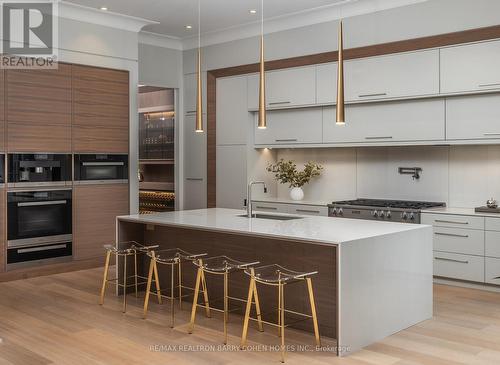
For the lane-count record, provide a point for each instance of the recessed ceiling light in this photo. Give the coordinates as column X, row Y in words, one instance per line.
column 252, row 11
column 189, row 27
column 104, row 8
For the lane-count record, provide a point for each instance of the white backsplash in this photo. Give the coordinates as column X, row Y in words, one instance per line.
column 461, row 176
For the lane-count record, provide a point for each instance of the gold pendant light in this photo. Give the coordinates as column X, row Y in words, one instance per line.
column 340, row 120
column 262, row 76
column 199, row 102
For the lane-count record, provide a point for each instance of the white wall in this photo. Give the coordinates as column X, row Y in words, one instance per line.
column 160, row 66
column 461, row 176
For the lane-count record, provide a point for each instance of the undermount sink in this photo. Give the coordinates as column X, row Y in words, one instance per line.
column 271, row 216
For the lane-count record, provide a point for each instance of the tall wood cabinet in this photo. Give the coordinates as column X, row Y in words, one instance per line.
column 39, row 110
column 95, row 208
column 100, row 110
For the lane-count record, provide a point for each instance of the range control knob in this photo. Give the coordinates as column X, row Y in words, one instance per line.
column 381, row 214
column 375, row 213
column 388, row 214
column 404, row 216
column 412, row 216
column 334, row 211
column 340, row 211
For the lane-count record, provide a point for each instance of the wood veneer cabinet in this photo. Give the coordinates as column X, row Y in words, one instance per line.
column 100, row 110
column 95, row 208
column 38, row 110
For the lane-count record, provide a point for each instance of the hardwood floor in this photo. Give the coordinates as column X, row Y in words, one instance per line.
column 56, row 320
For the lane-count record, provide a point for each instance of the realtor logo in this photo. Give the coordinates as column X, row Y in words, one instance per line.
column 29, row 33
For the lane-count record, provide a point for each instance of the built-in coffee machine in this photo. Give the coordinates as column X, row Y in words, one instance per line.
column 39, row 169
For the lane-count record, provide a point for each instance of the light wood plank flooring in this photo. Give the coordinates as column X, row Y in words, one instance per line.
column 56, row 320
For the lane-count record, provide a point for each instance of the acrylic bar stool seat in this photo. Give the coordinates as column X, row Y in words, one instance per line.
column 220, row 265
column 173, row 257
column 125, row 250
column 276, row 275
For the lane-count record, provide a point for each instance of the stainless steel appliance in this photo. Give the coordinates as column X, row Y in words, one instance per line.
column 101, row 168
column 39, row 225
column 39, row 169
column 380, row 209
column 2, row 169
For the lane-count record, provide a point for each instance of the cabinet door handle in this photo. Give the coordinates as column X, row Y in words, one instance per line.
column 270, row 208
column 451, row 222
column 307, row 211
column 492, row 134
column 379, row 137
column 371, row 95
column 286, row 140
column 190, row 111
column 279, row 103
column 492, row 84
column 451, row 234
column 194, row 178
column 451, row 260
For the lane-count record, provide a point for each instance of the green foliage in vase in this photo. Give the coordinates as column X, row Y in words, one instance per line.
column 286, row 172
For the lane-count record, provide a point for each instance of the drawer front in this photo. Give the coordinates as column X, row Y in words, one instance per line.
column 492, row 271
column 464, row 241
column 456, row 266
column 492, row 244
column 453, row 221
column 492, row 224
column 302, row 209
column 269, row 207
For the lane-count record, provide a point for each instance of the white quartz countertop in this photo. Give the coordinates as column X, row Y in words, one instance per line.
column 326, row 230
column 460, row 211
column 290, row 201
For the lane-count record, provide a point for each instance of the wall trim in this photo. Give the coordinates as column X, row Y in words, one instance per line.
column 415, row 44
column 160, row 40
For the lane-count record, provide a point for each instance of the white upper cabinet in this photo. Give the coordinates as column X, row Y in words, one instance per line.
column 190, row 88
column 195, row 150
column 392, row 76
column 231, row 176
column 232, row 113
column 326, row 83
column 398, row 121
column 472, row 67
column 473, row 117
column 284, row 88
column 290, row 127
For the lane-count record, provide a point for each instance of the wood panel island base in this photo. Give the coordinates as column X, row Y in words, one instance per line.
column 374, row 278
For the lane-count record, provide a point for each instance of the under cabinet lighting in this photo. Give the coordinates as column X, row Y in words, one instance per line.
column 104, row 8
column 189, row 27
column 253, row 11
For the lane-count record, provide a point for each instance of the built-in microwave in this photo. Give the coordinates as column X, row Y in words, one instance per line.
column 101, row 168
column 39, row 169
column 39, row 225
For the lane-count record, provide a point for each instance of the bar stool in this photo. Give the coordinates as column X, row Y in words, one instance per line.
column 220, row 265
column 276, row 275
column 173, row 257
column 125, row 250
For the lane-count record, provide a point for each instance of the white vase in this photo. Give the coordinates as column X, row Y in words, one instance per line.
column 296, row 193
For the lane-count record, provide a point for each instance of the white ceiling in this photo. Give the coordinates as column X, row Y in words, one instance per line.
column 216, row 15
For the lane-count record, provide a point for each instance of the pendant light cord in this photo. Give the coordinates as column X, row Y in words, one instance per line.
column 262, row 17
column 199, row 24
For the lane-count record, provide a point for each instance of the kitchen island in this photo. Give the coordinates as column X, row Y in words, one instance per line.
column 374, row 278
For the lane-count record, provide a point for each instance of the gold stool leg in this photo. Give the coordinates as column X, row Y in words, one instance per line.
column 105, row 277
column 195, row 300
column 125, row 272
column 205, row 293
column 247, row 313
column 148, row 288
column 257, row 303
column 157, row 281
column 172, row 299
column 135, row 273
column 282, row 320
column 313, row 311
column 226, row 307
column 179, row 272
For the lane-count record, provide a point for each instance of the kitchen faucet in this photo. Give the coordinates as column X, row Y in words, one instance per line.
column 249, row 195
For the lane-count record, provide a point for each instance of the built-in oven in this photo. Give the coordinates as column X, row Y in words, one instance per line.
column 39, row 169
column 39, row 225
column 92, row 168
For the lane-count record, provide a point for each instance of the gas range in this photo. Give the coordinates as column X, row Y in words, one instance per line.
column 381, row 209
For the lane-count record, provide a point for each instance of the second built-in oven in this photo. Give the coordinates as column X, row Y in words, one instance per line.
column 101, row 168
column 39, row 225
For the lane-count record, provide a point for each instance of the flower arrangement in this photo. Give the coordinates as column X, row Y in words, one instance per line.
column 286, row 172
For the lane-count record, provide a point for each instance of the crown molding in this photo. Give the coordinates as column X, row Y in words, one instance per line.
column 105, row 18
column 160, row 40
column 322, row 14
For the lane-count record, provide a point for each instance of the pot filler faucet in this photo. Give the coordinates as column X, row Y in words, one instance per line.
column 249, row 195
